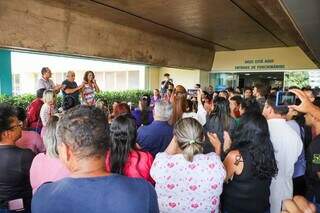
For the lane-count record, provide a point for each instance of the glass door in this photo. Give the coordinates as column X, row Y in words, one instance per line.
column 221, row 81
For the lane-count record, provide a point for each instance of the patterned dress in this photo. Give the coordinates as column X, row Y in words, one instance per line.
column 184, row 186
column 89, row 94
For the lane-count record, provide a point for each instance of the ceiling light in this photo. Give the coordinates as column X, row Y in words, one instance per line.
column 247, row 74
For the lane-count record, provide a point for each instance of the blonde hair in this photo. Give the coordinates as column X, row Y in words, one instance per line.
column 189, row 137
column 50, row 139
column 48, row 96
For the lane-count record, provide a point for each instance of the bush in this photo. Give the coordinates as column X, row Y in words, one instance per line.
column 127, row 96
column 18, row 101
column 107, row 97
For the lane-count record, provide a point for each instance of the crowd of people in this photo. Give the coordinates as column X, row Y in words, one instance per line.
column 180, row 150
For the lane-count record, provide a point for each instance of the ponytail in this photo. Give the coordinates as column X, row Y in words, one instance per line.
column 191, row 149
column 189, row 136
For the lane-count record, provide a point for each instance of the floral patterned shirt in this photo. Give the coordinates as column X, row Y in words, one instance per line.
column 184, row 186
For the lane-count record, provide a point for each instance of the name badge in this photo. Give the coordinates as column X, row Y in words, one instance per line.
column 16, row 205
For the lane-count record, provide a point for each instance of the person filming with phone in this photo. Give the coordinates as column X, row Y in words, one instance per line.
column 166, row 84
column 90, row 87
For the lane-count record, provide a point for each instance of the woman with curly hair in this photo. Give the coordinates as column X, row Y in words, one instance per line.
column 250, row 165
column 89, row 89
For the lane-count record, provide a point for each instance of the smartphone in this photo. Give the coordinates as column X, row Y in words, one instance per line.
column 192, row 92
column 285, row 98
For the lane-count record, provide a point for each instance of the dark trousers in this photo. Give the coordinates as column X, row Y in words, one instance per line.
column 299, row 186
column 9, row 211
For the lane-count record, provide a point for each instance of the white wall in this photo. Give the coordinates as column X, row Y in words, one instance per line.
column 29, row 65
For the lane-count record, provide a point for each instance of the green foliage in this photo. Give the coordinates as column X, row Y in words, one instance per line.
column 19, row 101
column 127, row 96
column 107, row 97
column 300, row 79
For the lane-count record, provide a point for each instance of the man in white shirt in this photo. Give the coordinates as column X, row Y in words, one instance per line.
column 287, row 145
column 45, row 82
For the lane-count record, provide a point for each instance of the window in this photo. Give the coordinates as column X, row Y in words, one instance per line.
column 121, row 80
column 133, row 79
column 110, row 80
column 16, row 83
column 26, row 71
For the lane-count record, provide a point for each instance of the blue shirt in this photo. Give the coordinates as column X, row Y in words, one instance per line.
column 138, row 116
column 109, row 194
column 155, row 137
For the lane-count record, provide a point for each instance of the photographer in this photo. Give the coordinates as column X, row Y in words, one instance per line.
column 166, row 84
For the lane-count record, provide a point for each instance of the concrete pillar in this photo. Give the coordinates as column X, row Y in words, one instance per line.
column 152, row 78
column 59, row 26
column 5, row 72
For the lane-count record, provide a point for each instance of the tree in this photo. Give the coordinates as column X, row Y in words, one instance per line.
column 299, row 79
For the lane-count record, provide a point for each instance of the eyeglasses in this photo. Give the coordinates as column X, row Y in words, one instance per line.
column 20, row 124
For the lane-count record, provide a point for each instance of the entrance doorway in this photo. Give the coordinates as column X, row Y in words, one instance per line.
column 221, row 81
column 270, row 79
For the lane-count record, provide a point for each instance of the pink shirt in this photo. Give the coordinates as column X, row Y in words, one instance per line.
column 136, row 169
column 31, row 140
column 46, row 169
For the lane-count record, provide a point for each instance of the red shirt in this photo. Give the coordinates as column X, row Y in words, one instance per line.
column 135, row 168
column 33, row 114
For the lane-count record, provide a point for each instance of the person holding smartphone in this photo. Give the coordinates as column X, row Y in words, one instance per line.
column 166, row 84
column 89, row 89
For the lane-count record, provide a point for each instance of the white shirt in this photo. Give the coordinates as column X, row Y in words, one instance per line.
column 45, row 113
column 295, row 126
column 45, row 84
column 287, row 145
column 184, row 186
column 200, row 116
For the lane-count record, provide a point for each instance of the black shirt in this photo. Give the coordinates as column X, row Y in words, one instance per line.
column 15, row 165
column 313, row 167
column 246, row 193
column 165, row 85
column 215, row 125
column 262, row 102
column 70, row 85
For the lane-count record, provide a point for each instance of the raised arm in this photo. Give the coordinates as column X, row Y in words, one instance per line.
column 202, row 113
column 96, row 87
column 233, row 164
column 70, row 91
column 57, row 88
column 306, row 105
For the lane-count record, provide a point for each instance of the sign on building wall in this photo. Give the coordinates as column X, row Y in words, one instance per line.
column 259, row 64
